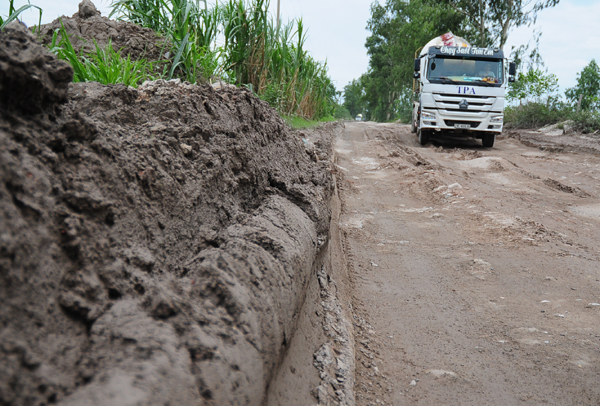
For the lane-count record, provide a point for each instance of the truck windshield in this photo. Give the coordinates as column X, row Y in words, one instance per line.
column 460, row 70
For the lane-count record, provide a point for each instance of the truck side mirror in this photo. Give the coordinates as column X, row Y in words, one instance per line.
column 417, row 65
column 512, row 69
column 416, row 75
column 511, row 79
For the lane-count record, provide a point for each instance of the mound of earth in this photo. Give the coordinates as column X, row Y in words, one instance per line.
column 88, row 25
column 32, row 79
column 156, row 243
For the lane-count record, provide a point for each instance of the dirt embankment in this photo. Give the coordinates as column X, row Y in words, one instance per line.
column 156, row 243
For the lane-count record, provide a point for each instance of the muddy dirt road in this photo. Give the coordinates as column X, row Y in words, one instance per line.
column 475, row 271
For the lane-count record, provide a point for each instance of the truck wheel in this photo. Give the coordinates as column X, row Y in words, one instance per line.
column 413, row 126
column 488, row 140
column 423, row 136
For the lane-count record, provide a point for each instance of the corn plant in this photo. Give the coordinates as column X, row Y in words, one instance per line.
column 190, row 28
column 269, row 60
column 13, row 13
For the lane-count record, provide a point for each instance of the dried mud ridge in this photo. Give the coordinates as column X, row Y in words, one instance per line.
column 156, row 243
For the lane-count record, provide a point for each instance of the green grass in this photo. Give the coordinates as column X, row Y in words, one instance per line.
column 255, row 53
column 300, row 123
column 105, row 65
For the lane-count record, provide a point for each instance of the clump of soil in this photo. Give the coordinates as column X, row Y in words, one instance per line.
column 31, row 78
column 88, row 25
column 156, row 243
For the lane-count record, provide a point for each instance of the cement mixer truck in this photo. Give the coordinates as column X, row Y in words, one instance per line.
column 459, row 90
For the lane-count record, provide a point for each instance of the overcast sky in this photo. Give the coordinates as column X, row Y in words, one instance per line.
column 337, row 33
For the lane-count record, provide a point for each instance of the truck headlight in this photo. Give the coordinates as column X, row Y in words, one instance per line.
column 497, row 119
column 427, row 116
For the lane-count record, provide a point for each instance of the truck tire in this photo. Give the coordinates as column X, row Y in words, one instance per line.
column 415, row 117
column 423, row 136
column 488, row 140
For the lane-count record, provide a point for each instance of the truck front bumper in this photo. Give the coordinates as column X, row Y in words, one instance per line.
column 460, row 122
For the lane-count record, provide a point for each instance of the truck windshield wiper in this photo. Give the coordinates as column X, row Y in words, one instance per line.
column 485, row 82
column 445, row 79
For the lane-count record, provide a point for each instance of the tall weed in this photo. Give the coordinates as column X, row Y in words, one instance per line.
column 254, row 52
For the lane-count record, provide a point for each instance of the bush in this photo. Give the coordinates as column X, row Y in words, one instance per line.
column 586, row 122
column 534, row 115
column 533, row 85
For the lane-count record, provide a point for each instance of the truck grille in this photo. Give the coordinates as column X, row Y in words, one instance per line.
column 451, row 102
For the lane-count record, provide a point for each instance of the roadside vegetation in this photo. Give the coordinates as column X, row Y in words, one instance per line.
column 236, row 41
column 536, row 101
column 399, row 28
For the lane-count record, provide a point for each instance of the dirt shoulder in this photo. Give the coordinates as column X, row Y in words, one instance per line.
column 474, row 270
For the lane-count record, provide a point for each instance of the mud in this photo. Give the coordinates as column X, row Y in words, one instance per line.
column 571, row 142
column 319, row 366
column 88, row 26
column 31, row 78
column 474, row 270
column 157, row 243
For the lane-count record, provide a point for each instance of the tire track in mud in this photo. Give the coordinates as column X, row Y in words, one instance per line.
column 471, row 271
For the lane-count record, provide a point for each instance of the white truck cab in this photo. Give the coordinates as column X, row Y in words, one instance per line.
column 460, row 91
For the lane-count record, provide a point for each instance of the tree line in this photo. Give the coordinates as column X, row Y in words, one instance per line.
column 399, row 28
